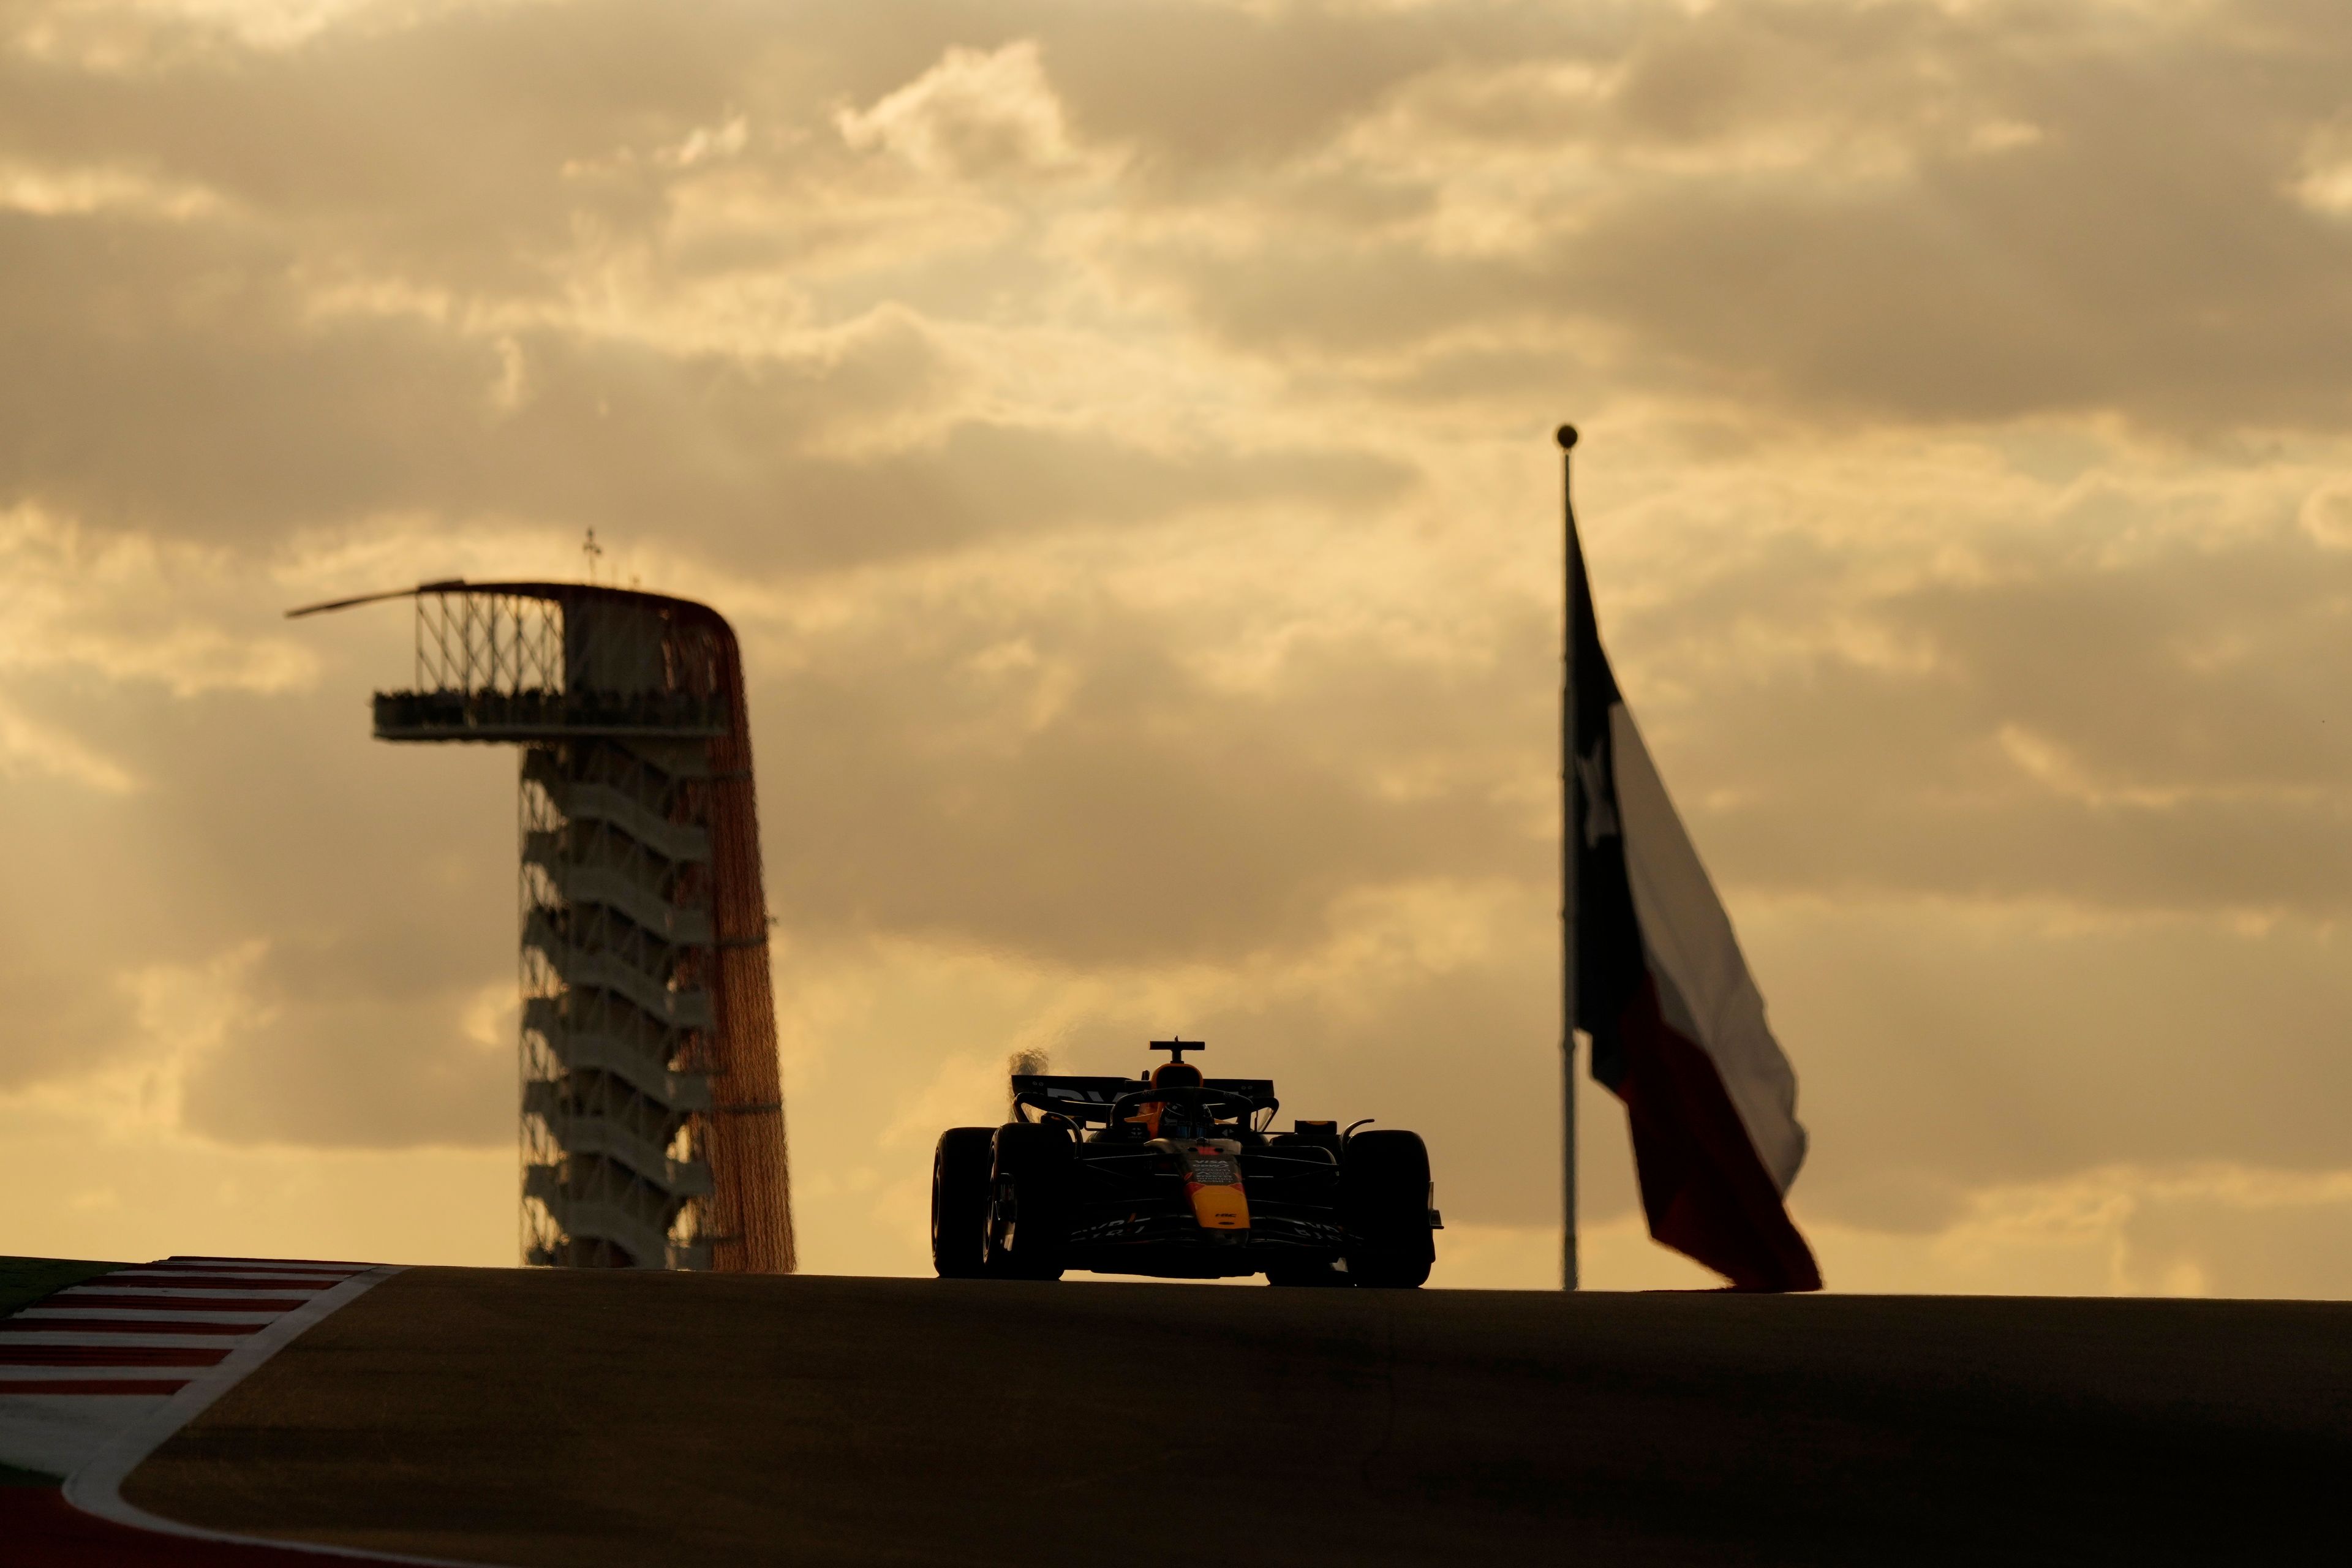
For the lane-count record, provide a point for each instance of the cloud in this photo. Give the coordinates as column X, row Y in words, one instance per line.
column 179, row 383
column 51, row 193
column 362, row 1068
column 975, row 113
column 1943, row 1049
column 61, row 1024
column 1050, row 780
column 127, row 609
column 2139, row 729
column 27, row 745
column 1890, row 214
column 2176, row 1230
column 2327, row 513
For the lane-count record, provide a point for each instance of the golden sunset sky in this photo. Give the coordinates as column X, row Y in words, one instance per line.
column 1120, row 432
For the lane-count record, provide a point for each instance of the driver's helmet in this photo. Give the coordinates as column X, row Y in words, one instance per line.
column 1179, row 1120
column 1174, row 1118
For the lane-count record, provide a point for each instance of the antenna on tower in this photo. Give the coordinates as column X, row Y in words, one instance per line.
column 593, row 552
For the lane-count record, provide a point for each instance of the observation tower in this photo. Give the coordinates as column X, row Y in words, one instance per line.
column 653, row 1129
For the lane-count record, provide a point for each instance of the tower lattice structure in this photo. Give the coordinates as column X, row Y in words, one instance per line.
column 653, row 1130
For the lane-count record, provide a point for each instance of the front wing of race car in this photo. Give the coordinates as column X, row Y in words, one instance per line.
column 1132, row 1211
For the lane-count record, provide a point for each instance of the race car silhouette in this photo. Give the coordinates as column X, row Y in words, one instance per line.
column 1175, row 1175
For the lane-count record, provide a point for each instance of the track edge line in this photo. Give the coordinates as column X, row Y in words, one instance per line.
column 95, row 1486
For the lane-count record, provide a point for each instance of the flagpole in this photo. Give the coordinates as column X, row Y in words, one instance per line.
column 1569, row 838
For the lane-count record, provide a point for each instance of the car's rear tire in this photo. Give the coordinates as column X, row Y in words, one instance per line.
column 1384, row 1192
column 960, row 1202
column 1028, row 1202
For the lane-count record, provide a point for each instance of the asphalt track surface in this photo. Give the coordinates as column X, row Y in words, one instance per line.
column 535, row 1418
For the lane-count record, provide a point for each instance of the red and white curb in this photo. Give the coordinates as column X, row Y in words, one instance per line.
column 96, row 1377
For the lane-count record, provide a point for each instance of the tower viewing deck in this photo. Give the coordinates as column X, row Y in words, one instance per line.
column 652, row 1109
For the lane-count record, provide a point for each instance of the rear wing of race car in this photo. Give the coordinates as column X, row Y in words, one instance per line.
column 1089, row 1100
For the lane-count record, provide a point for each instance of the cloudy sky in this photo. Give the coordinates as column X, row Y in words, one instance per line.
column 1119, row 430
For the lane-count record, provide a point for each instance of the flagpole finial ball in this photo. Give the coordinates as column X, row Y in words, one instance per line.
column 1567, row 436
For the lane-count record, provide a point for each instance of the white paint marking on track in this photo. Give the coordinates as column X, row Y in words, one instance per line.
column 49, row 1370
column 75, row 1332
column 59, row 1415
column 200, row 1283
column 85, row 1363
column 140, row 1315
column 177, row 1290
column 96, row 1487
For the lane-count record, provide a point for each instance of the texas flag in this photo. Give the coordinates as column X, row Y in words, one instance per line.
column 1677, row 1024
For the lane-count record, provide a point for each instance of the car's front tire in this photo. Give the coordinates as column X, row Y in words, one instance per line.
column 1384, row 1192
column 1028, row 1202
column 960, row 1202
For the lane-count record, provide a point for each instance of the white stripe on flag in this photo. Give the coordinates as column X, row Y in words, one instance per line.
column 1697, row 957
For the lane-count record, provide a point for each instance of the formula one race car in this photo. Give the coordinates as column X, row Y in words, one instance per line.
column 1176, row 1176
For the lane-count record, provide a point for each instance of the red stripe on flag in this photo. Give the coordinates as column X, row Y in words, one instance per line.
column 1706, row 1193
column 95, row 1385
